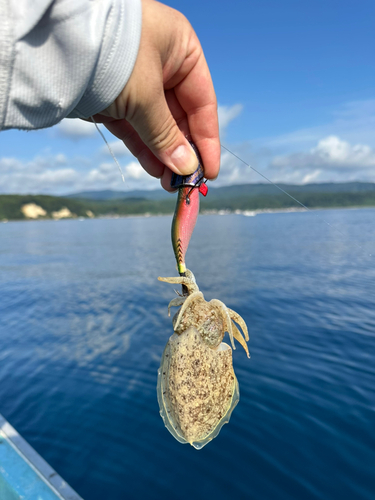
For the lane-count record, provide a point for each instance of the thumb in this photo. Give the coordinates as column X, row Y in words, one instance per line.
column 155, row 125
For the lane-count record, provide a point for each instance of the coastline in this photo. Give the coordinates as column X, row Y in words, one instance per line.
column 244, row 213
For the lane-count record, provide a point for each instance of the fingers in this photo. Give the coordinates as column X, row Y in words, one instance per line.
column 124, row 131
column 209, row 147
column 158, row 130
column 196, row 96
column 143, row 101
column 177, row 111
column 165, row 180
column 169, row 95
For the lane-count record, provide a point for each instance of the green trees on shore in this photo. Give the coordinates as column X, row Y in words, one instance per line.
column 12, row 207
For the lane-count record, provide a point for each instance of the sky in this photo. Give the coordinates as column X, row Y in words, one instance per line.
column 295, row 82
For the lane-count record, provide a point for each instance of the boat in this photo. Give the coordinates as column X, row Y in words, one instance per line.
column 24, row 474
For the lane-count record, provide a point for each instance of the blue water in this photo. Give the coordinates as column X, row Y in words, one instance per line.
column 83, row 323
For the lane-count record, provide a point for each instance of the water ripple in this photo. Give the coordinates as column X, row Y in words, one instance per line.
column 83, row 324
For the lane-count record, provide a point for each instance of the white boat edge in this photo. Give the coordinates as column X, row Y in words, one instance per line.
column 47, row 474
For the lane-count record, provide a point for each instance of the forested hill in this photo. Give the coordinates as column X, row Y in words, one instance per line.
column 230, row 191
column 231, row 198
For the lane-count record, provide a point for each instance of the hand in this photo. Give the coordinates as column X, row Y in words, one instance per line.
column 169, row 96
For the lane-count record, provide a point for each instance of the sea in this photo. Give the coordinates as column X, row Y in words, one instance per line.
column 83, row 324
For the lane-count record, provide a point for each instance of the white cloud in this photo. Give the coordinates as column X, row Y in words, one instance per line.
column 330, row 153
column 74, row 128
column 10, row 165
column 23, row 182
column 38, row 164
column 355, row 110
column 332, row 159
column 353, row 122
column 231, row 170
column 118, row 148
column 134, row 171
column 60, row 158
column 234, row 171
column 228, row 114
column 333, row 151
column 45, row 175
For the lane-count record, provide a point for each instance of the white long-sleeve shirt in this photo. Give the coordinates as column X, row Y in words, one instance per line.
column 63, row 58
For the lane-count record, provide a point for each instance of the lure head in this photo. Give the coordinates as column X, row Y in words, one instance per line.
column 187, row 209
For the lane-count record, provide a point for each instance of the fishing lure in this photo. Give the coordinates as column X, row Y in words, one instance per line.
column 197, row 388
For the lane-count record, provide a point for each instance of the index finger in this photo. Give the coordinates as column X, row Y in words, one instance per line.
column 197, row 97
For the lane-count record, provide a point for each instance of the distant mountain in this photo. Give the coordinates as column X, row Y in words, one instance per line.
column 225, row 192
column 106, row 195
column 269, row 189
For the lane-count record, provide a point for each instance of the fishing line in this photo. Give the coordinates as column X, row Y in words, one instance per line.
column 109, row 148
column 292, row 197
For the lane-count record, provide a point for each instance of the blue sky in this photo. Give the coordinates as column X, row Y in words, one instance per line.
column 295, row 85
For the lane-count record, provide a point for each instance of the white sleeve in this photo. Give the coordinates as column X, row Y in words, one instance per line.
column 64, row 57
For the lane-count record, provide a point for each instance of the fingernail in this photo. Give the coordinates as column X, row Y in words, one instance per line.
column 184, row 159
